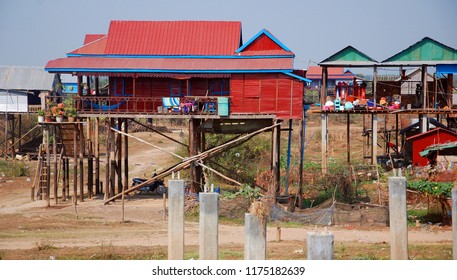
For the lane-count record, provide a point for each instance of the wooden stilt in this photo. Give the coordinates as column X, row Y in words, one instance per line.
column 65, row 182
column 48, row 167
column 275, row 168
column 302, row 159
column 81, row 162
column 75, row 164
column 348, row 137
column 54, row 163
column 108, row 158
column 195, row 173
column 118, row 152
column 98, row 189
column 126, row 154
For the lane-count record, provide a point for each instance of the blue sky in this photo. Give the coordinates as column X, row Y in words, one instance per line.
column 35, row 31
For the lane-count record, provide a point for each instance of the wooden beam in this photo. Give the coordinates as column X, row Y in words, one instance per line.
column 188, row 161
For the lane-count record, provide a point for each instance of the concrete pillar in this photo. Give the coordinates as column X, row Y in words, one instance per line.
column 320, row 245
column 397, row 218
column 454, row 222
column 255, row 246
column 209, row 221
column 175, row 219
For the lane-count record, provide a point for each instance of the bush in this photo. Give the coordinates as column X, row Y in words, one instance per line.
column 13, row 168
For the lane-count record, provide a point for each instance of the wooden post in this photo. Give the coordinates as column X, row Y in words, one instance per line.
column 324, row 122
column 13, row 132
column 193, row 150
column 119, row 156
column 108, row 157
column 289, row 146
column 396, row 133
column 54, row 163
column 374, row 119
column 65, row 181
column 90, row 175
column 48, row 167
column 348, row 136
column 81, row 162
column 302, row 159
column 6, row 134
column 98, row 189
column 75, row 163
column 275, row 168
column 112, row 183
column 126, row 154
column 20, row 132
column 90, row 162
column 96, row 86
column 424, row 120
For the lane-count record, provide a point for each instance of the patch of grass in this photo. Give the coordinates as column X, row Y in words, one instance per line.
column 417, row 214
column 13, row 168
column 231, row 255
column 230, row 221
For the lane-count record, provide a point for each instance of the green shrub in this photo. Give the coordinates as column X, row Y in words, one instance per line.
column 13, row 168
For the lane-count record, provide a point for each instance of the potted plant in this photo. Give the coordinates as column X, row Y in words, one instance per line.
column 58, row 112
column 41, row 114
column 70, row 109
column 71, row 114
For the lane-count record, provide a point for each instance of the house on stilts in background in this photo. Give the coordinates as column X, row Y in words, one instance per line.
column 199, row 71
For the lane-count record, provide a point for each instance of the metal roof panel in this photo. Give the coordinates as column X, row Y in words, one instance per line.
column 173, row 37
column 25, row 78
column 206, row 65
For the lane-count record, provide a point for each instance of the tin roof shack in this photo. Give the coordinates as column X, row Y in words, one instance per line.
column 21, row 86
column 420, row 142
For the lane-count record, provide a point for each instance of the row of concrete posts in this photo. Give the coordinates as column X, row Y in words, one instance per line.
column 320, row 245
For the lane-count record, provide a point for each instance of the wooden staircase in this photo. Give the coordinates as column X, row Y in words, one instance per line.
column 42, row 182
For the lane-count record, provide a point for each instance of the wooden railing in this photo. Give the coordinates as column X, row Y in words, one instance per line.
column 145, row 105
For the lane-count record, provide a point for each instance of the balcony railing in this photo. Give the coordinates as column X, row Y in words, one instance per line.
column 146, row 105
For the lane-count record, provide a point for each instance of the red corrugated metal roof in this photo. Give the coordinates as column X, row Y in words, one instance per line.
column 167, row 64
column 173, row 37
column 95, row 47
column 92, row 37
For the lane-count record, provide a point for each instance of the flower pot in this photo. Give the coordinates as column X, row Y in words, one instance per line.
column 48, row 119
column 40, row 119
column 71, row 119
column 59, row 118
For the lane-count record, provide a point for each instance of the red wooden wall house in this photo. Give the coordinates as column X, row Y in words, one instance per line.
column 188, row 69
column 420, row 142
column 148, row 60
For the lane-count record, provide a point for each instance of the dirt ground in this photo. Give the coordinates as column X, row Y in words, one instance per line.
column 92, row 230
